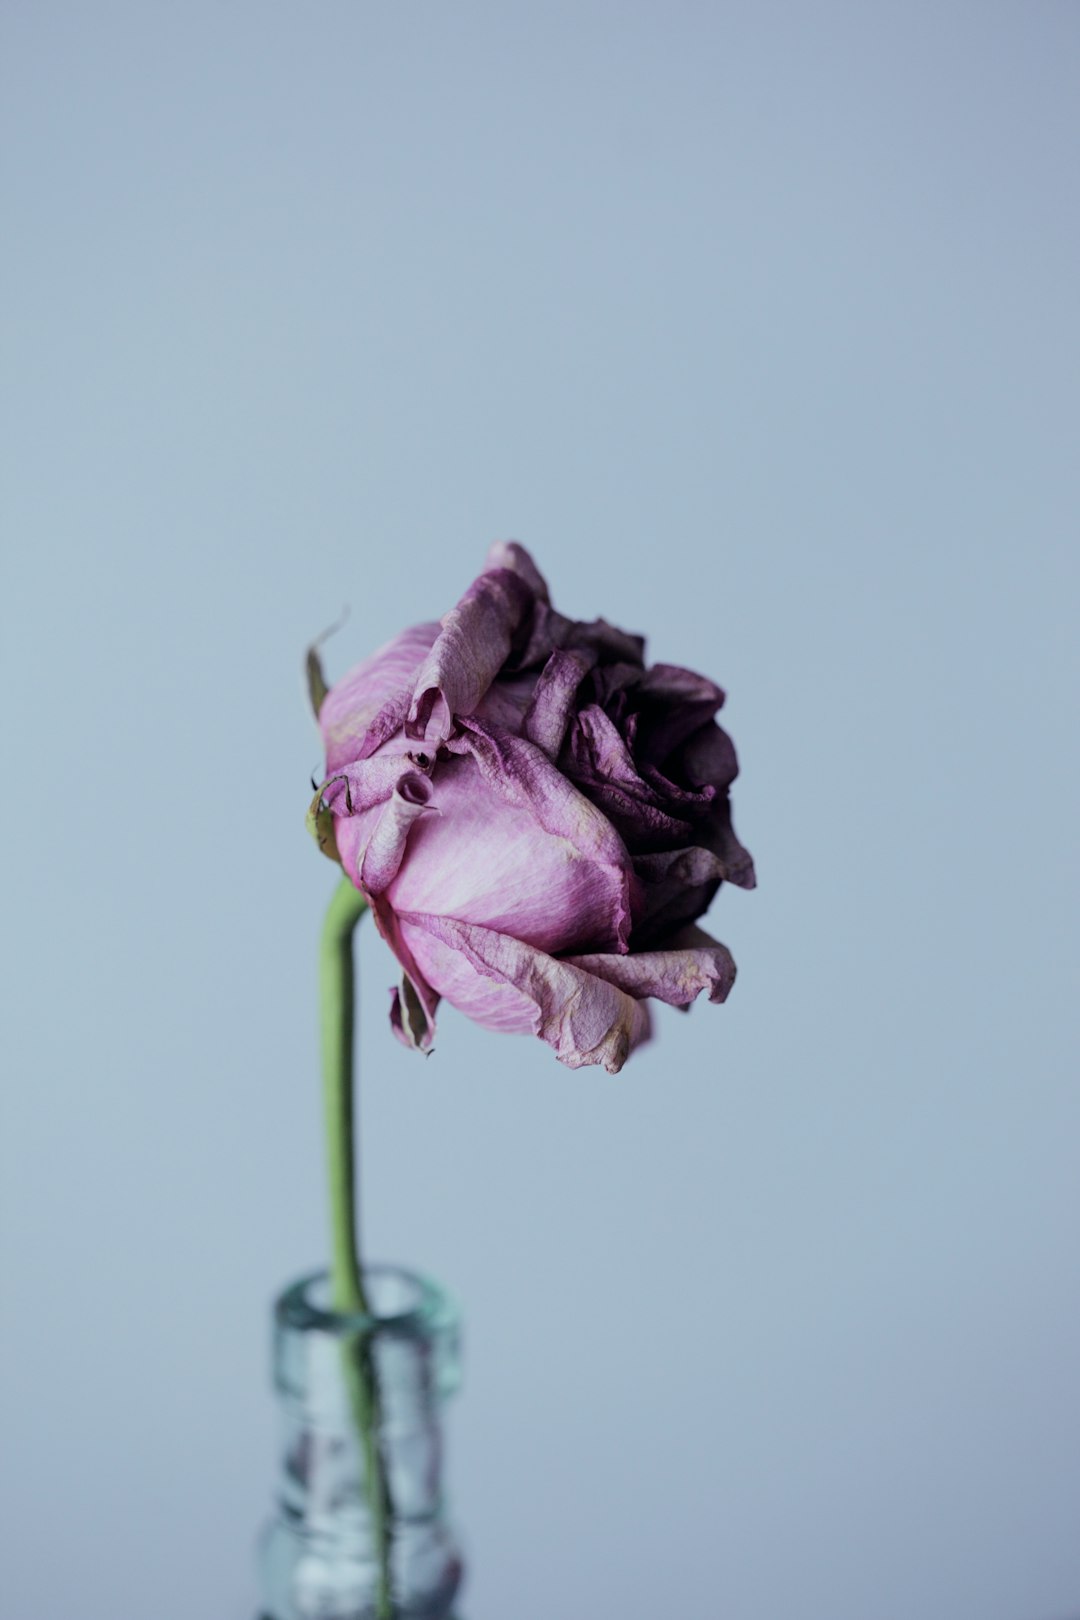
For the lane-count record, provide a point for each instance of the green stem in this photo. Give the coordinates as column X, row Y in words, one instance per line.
column 348, row 1295
column 337, row 1010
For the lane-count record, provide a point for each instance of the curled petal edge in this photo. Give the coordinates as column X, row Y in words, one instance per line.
column 471, row 648
column 585, row 1018
column 413, row 1002
column 688, row 964
column 384, row 851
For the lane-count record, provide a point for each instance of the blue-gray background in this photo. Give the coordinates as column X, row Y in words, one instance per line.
column 759, row 326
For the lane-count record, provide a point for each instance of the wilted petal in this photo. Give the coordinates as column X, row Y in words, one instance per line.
column 719, row 835
column 516, row 853
column 689, row 801
column 471, row 648
column 387, row 722
column 413, row 1004
column 506, row 702
column 553, row 699
column 599, row 749
column 352, row 704
column 672, row 703
column 409, row 1018
column 522, row 776
column 364, row 782
column 612, row 682
column 585, row 1018
column 691, row 963
column 708, row 755
column 606, row 640
column 676, row 685
column 678, row 886
column 600, row 762
column 549, row 631
column 642, row 825
column 382, row 855
column 508, row 554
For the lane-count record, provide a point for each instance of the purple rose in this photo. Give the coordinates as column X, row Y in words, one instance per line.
column 535, row 817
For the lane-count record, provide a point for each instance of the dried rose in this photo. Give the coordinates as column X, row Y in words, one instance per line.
column 535, row 817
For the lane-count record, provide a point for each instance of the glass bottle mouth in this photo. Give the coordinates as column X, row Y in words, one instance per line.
column 404, row 1304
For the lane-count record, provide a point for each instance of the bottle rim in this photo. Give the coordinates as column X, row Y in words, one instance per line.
column 428, row 1308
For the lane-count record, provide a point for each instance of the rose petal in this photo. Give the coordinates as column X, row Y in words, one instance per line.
column 552, row 706
column 352, row 704
column 413, row 1005
column 719, row 835
column 522, row 776
column 552, row 872
column 672, row 704
column 600, row 752
column 366, row 782
column 611, row 682
column 471, row 648
column 678, row 686
column 384, row 851
column 691, row 963
column 641, row 825
column 599, row 762
column 678, row 886
column 508, row 554
column 708, row 755
column 506, row 702
column 550, row 631
column 585, row 1018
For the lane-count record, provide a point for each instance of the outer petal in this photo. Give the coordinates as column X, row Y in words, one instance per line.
column 708, row 755
column 719, row 835
column 384, row 851
column 487, row 858
column 679, row 885
column 472, row 646
column 585, row 1018
column 351, row 705
column 691, row 963
column 519, row 774
column 364, row 783
column 508, row 554
column 412, row 1008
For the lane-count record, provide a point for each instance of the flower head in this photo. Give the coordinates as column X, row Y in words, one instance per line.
column 536, row 817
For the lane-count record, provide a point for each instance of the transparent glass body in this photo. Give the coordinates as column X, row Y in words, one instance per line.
column 317, row 1556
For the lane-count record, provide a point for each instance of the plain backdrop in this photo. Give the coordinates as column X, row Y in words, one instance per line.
column 758, row 325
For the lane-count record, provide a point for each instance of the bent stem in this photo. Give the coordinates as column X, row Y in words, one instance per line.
column 337, row 1005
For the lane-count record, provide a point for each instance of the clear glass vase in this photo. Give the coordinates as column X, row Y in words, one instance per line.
column 317, row 1556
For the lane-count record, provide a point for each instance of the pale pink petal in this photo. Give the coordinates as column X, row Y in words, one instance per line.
column 382, row 855
column 352, row 704
column 691, row 962
column 488, row 857
column 387, row 722
column 365, row 782
column 521, row 775
column 585, row 1019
